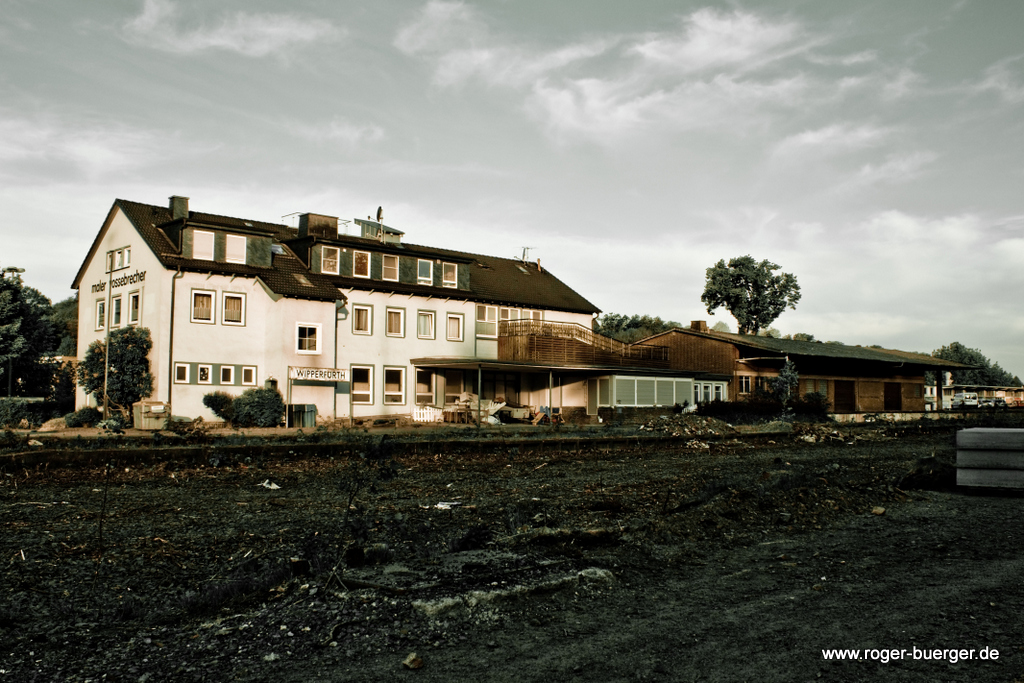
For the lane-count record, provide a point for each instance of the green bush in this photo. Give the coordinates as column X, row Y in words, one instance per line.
column 811, row 407
column 222, row 404
column 259, row 408
column 13, row 411
column 86, row 417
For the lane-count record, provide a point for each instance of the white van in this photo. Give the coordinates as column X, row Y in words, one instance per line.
column 966, row 399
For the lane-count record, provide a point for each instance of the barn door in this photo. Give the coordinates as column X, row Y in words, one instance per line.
column 846, row 396
column 893, row 396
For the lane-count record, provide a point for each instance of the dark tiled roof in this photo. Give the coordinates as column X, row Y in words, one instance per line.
column 791, row 347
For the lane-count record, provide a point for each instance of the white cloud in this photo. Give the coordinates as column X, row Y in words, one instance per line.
column 712, row 40
column 897, row 168
column 838, row 137
column 440, row 25
column 338, row 130
column 249, row 34
column 1000, row 78
column 865, row 57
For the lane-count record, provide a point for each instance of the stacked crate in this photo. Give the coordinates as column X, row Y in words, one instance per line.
column 990, row 457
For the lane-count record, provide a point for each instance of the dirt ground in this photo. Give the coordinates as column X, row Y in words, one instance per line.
column 734, row 557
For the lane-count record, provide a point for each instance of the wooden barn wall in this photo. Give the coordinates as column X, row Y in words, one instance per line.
column 698, row 354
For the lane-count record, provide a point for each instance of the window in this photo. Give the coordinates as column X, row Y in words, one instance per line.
column 361, row 264
column 249, row 376
column 362, row 385
column 506, row 314
column 744, row 384
column 118, row 259
column 329, row 260
column 719, row 396
column 233, row 309
column 110, row 261
column 391, row 268
column 486, row 321
column 823, row 386
column 362, row 320
column 424, row 387
column 394, row 385
column 425, row 324
column 234, row 249
column 181, row 373
column 127, row 256
column 101, row 314
column 396, row 322
column 115, row 312
column 449, row 275
column 202, row 245
column 452, row 386
column 204, row 374
column 425, row 272
column 202, row 306
column 134, row 308
column 760, row 383
column 227, row 374
column 454, row 327
column 307, row 338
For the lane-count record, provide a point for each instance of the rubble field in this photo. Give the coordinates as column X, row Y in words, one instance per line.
column 714, row 556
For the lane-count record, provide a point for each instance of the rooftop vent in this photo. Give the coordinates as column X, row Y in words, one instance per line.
column 698, row 326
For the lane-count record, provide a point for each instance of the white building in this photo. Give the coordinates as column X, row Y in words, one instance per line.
column 358, row 325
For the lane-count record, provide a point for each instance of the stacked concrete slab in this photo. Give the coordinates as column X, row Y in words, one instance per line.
column 990, row 457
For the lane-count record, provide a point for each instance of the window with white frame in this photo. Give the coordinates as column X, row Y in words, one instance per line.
column 453, row 386
column 234, row 249
column 362, row 319
column 454, row 327
column 101, row 314
column 362, row 384
column 744, row 381
column 134, row 308
column 424, row 387
column 115, row 312
column 232, row 310
column 202, row 306
column 394, row 386
column 204, row 374
column 396, row 322
column 202, row 245
column 227, row 374
column 507, row 314
column 361, row 264
column 486, row 321
column 390, row 268
column 181, row 373
column 307, row 338
column 425, row 324
column 449, row 274
column 425, row 272
column 329, row 258
column 248, row 376
column 119, row 258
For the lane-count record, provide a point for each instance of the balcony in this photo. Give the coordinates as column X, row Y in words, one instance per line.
column 551, row 343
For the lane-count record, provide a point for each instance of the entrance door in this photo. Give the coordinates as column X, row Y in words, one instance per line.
column 846, row 396
column 591, row 397
column 893, row 400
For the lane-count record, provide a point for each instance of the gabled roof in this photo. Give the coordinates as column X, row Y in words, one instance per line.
column 814, row 349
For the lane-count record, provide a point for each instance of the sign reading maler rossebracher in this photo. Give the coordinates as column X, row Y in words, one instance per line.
column 318, row 374
column 131, row 279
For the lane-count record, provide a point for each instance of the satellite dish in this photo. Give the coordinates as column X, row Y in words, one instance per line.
column 380, row 213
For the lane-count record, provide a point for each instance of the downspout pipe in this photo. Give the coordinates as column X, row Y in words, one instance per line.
column 170, row 348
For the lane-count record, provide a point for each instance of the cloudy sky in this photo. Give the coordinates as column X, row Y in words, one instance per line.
column 873, row 149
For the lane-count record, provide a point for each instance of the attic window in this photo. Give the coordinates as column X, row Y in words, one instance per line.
column 483, row 265
column 303, row 280
column 522, row 269
column 276, row 249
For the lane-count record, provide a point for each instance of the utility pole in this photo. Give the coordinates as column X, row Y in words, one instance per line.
column 16, row 272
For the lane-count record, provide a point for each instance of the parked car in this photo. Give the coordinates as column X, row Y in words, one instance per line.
column 965, row 399
column 999, row 403
column 986, row 403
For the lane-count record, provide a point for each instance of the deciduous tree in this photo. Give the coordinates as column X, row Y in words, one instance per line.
column 128, row 378
column 750, row 291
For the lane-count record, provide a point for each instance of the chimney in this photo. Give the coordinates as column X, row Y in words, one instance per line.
column 318, row 226
column 179, row 207
column 538, row 267
column 698, row 326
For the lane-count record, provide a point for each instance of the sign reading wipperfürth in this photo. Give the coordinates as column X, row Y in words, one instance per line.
column 318, row 374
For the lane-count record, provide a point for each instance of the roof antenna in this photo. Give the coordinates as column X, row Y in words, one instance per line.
column 526, row 254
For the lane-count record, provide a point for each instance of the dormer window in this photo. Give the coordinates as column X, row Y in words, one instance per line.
column 450, row 275
column 391, row 268
column 329, row 260
column 425, row 272
column 361, row 264
column 202, row 245
column 234, row 251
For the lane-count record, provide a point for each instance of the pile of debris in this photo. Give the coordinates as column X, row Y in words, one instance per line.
column 680, row 425
column 823, row 433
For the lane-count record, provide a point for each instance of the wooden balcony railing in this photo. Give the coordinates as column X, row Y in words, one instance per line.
column 571, row 344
